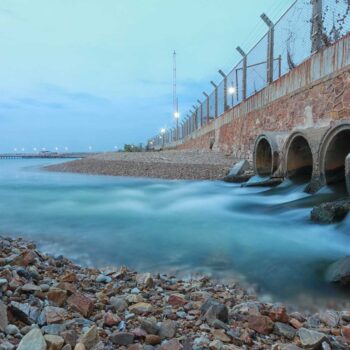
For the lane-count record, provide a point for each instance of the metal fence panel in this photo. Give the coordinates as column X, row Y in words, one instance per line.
column 235, row 81
column 221, row 97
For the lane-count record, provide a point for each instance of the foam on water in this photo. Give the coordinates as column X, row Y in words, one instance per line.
column 261, row 235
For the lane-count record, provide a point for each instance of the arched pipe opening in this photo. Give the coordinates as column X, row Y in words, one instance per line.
column 335, row 149
column 263, row 158
column 299, row 160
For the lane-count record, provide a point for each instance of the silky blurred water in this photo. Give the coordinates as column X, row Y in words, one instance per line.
column 260, row 236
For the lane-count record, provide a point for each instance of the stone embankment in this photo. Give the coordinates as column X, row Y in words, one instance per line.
column 51, row 303
column 191, row 165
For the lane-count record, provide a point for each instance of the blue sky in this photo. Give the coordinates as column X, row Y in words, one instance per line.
column 80, row 73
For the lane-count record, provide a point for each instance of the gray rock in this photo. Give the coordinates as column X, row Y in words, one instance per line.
column 103, row 279
column 118, row 303
column 122, row 338
column 330, row 212
column 24, row 312
column 339, row 272
column 311, row 339
column 44, row 287
column 150, row 325
column 5, row 345
column 34, row 340
column 213, row 310
column 3, row 282
column 3, row 316
column 290, row 346
column 330, row 318
column 167, row 329
column 247, row 308
column 54, row 329
column 90, row 338
column 284, row 330
column 11, row 329
column 239, row 168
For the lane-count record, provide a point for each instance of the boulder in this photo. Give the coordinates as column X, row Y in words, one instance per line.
column 327, row 213
column 339, row 272
column 33, row 340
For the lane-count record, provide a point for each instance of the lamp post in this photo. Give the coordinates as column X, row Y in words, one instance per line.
column 162, row 133
column 231, row 91
column 177, row 116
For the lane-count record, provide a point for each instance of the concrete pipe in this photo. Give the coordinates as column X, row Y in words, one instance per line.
column 334, row 149
column 267, row 152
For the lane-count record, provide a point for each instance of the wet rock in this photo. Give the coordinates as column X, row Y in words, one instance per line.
column 123, row 338
column 167, row 329
column 284, row 330
column 260, row 324
column 54, row 342
column 3, row 316
column 81, row 303
column 311, row 339
column 141, row 308
column 34, row 340
column 327, row 213
column 237, row 170
column 90, row 338
column 339, row 272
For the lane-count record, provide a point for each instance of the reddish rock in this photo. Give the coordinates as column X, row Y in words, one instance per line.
column 279, row 314
column 26, row 258
column 54, row 314
column 69, row 277
column 177, row 300
column 152, row 339
column 68, row 287
column 110, row 319
column 81, row 303
column 345, row 331
column 57, row 296
column 295, row 323
column 260, row 324
column 139, row 333
column 135, row 347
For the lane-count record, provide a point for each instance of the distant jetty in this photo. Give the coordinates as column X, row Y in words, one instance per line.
column 71, row 155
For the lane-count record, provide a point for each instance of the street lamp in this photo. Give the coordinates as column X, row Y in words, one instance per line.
column 231, row 91
column 162, row 132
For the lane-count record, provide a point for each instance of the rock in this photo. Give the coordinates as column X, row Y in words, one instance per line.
column 54, row 329
column 145, row 279
column 141, row 308
column 152, row 339
column 295, row 323
column 172, row 344
column 67, row 347
column 278, row 313
column 176, row 300
column 247, row 308
column 3, row 316
column 81, row 303
column 90, row 338
column 52, row 314
column 110, row 320
column 216, row 345
column 118, row 303
column 24, row 312
column 345, row 332
column 5, row 345
column 327, row 213
column 284, row 330
column 150, row 325
column 44, row 287
column 339, row 272
column 30, row 288
column 260, row 324
column 290, row 346
column 137, row 347
column 237, row 170
column 330, row 318
column 213, row 310
column 123, row 338
column 57, row 296
column 69, row 277
column 70, row 337
column 219, row 334
column 103, row 279
column 33, row 340
column 54, row 342
column 311, row 339
column 80, row 346
column 167, row 329
column 11, row 329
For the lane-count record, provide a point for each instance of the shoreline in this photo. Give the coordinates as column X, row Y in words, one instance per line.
column 79, row 308
column 171, row 165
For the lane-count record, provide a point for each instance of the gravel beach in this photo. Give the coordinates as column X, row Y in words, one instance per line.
column 191, row 165
column 50, row 303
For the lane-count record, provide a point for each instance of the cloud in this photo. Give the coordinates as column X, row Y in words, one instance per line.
column 39, row 103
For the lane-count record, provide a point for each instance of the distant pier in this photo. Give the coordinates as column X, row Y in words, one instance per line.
column 45, row 155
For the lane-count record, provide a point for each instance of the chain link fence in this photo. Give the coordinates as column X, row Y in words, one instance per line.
column 306, row 27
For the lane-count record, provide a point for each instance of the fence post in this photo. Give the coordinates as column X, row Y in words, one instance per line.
column 207, row 102
column 201, row 112
column 244, row 78
column 226, row 107
column 216, row 98
column 270, row 47
column 316, row 28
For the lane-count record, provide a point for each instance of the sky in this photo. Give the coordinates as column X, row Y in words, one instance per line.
column 96, row 74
